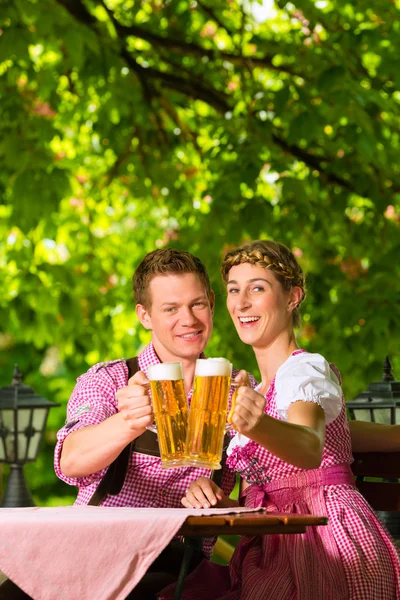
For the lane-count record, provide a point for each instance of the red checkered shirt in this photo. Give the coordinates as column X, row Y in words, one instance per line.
column 146, row 484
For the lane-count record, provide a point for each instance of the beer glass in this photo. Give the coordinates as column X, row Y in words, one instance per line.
column 207, row 415
column 170, row 411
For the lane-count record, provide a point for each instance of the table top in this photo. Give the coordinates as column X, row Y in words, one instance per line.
column 258, row 523
column 46, row 551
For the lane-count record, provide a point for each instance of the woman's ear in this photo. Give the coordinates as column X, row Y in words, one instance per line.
column 296, row 296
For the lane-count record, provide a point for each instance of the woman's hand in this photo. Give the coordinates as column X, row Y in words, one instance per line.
column 204, row 493
column 249, row 410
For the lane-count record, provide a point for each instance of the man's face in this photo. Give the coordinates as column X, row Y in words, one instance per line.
column 179, row 316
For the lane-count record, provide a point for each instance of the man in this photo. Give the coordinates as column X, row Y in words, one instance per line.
column 107, row 411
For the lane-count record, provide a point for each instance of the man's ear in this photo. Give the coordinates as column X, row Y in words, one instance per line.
column 144, row 316
column 212, row 302
column 296, row 295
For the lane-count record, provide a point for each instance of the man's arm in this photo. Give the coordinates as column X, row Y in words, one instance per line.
column 374, row 437
column 92, row 448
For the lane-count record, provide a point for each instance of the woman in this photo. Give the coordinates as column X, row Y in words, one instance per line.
column 293, row 451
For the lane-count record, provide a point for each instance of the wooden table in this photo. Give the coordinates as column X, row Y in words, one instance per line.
column 258, row 523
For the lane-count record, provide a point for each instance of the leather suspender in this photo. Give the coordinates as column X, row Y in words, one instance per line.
column 113, row 480
column 146, row 443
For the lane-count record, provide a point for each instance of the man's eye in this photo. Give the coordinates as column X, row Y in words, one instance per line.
column 199, row 304
column 170, row 309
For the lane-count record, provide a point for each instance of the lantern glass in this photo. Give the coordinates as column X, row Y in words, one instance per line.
column 362, row 414
column 7, row 419
column 38, row 424
column 383, row 415
column 7, row 445
column 24, row 417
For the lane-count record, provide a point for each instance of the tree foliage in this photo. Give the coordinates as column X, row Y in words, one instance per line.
column 129, row 125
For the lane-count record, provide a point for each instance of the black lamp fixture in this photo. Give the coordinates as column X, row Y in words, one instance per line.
column 23, row 416
column 380, row 403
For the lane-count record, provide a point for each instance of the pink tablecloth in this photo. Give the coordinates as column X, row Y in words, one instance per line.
column 85, row 552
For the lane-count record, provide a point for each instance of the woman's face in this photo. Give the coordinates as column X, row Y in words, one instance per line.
column 258, row 304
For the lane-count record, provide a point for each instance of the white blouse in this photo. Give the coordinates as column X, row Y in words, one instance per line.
column 307, row 377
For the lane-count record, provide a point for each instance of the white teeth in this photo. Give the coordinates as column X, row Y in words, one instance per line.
column 190, row 335
column 248, row 319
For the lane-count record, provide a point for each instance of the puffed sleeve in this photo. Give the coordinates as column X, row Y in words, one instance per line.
column 310, row 378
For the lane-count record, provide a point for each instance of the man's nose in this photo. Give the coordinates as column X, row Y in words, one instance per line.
column 188, row 316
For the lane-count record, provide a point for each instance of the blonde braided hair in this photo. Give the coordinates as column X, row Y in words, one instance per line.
column 271, row 256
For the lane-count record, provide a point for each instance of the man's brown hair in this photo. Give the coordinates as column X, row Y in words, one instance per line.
column 166, row 261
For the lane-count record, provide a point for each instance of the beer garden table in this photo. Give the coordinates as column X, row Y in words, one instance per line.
column 84, row 552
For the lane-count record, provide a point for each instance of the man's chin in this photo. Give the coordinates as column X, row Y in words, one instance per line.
column 191, row 347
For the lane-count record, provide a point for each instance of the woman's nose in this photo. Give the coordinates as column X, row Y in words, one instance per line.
column 242, row 301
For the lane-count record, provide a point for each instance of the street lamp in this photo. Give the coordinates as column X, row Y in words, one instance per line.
column 23, row 416
column 380, row 403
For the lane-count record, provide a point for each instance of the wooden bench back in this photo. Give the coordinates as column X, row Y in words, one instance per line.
column 381, row 495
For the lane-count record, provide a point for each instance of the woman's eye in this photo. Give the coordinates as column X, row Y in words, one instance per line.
column 233, row 291
column 258, row 288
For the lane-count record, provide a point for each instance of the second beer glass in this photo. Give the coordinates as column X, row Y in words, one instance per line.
column 207, row 415
column 170, row 411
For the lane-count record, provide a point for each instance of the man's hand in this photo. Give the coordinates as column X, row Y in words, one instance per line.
column 134, row 403
column 203, row 493
column 248, row 411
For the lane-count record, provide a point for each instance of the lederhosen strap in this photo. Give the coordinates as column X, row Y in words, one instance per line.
column 113, row 480
column 146, row 443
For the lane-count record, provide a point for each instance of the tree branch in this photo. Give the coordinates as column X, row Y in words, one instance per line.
column 185, row 86
column 313, row 162
column 186, row 48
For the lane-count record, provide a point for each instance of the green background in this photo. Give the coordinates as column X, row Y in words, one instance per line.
column 126, row 126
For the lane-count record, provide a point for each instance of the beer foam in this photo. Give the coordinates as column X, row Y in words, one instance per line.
column 210, row 367
column 165, row 372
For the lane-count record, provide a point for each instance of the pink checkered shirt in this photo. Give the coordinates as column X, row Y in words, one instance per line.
column 146, row 484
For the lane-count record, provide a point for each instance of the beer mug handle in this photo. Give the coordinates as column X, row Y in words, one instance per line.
column 236, row 385
column 152, row 427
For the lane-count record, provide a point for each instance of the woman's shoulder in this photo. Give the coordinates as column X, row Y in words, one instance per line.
column 307, row 364
column 308, row 377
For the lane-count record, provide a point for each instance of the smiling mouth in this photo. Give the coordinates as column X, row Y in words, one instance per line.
column 248, row 319
column 189, row 336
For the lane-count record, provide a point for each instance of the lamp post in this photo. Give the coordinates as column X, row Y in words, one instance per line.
column 380, row 403
column 23, row 416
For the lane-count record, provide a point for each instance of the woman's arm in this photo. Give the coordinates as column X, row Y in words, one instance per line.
column 374, row 437
column 298, row 441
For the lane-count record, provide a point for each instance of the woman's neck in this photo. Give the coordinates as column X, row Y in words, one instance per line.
column 271, row 357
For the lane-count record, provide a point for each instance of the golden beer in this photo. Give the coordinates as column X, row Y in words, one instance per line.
column 170, row 411
column 207, row 415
